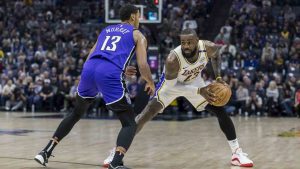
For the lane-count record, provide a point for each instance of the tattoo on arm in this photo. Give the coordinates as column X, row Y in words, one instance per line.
column 213, row 53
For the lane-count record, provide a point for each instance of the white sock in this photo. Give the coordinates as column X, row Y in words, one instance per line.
column 234, row 144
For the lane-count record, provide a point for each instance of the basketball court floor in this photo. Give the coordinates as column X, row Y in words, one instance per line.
column 195, row 144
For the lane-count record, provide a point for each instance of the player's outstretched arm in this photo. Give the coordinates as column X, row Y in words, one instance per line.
column 141, row 57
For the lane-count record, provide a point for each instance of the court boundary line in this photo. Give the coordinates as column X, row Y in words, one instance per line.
column 64, row 162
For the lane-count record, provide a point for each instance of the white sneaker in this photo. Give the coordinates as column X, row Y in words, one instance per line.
column 109, row 159
column 42, row 158
column 240, row 159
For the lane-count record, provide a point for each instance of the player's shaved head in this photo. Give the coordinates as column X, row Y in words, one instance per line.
column 188, row 31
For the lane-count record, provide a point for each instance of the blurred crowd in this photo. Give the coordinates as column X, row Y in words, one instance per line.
column 261, row 57
column 44, row 44
column 43, row 48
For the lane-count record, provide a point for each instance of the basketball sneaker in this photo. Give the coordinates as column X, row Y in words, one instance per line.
column 239, row 158
column 42, row 158
column 117, row 167
column 109, row 159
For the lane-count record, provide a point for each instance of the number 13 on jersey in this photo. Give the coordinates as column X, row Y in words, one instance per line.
column 110, row 43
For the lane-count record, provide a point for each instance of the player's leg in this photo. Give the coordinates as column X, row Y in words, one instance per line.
column 113, row 89
column 225, row 123
column 238, row 157
column 86, row 92
column 125, row 113
column 151, row 110
column 126, row 136
column 163, row 97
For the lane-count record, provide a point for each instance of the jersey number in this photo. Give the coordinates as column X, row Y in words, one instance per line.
column 191, row 77
column 112, row 46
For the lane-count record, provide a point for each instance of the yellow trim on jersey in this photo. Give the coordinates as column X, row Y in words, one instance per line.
column 201, row 104
column 205, row 51
column 158, row 94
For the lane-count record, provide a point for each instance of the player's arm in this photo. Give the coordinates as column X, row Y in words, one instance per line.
column 141, row 57
column 171, row 68
column 215, row 57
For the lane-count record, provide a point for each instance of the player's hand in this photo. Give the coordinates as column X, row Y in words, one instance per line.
column 150, row 88
column 207, row 94
column 130, row 71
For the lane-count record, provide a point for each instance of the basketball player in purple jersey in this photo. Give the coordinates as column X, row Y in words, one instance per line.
column 104, row 72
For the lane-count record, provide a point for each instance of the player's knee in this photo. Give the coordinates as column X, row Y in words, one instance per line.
column 127, row 120
column 147, row 115
column 125, row 114
column 154, row 108
column 130, row 121
column 133, row 125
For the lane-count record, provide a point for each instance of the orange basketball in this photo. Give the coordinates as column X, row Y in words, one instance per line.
column 223, row 93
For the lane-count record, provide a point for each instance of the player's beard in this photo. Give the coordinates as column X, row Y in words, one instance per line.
column 188, row 56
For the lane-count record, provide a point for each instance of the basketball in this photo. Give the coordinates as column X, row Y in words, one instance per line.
column 223, row 93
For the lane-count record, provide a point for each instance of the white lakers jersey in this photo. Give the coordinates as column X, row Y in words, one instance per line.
column 191, row 72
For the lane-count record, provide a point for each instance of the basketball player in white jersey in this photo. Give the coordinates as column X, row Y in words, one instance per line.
column 182, row 77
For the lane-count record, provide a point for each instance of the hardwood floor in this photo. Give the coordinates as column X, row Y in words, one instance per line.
column 196, row 144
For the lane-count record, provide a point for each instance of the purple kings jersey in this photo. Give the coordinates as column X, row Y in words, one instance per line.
column 115, row 44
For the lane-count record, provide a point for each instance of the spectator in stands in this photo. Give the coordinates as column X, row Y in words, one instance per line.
column 254, row 104
column 238, row 63
column 289, row 15
column 31, row 96
column 249, row 6
column 62, row 96
column 230, row 48
column 259, row 89
column 242, row 95
column 7, row 93
column 228, row 27
column 286, row 101
column 190, row 23
column 279, row 63
column 223, row 37
column 272, row 98
column 267, row 57
column 228, row 54
column 47, row 95
column 17, row 101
